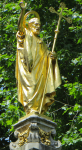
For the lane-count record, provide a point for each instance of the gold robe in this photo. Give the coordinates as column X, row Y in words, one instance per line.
column 32, row 65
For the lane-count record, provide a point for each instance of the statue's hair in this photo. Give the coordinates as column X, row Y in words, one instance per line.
column 33, row 20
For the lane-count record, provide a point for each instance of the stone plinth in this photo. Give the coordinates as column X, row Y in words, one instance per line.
column 35, row 132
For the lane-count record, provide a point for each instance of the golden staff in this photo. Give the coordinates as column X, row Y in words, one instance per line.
column 52, row 10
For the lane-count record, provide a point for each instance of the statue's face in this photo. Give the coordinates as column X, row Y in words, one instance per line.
column 35, row 27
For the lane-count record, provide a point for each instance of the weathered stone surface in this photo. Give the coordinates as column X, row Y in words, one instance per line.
column 41, row 121
column 35, row 132
column 38, row 146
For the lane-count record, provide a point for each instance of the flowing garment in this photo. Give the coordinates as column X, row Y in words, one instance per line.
column 32, row 65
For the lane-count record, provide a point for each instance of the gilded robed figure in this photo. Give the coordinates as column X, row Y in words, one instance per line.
column 32, row 64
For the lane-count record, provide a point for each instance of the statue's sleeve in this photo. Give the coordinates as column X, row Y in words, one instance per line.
column 20, row 50
column 54, row 73
column 27, row 50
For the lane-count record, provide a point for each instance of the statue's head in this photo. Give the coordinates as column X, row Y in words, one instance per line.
column 34, row 26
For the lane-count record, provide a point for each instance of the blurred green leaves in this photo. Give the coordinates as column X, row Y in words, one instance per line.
column 67, row 109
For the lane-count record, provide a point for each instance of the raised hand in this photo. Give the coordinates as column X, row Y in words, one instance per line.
column 22, row 5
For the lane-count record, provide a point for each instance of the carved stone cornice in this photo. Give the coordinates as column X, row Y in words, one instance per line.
column 35, row 129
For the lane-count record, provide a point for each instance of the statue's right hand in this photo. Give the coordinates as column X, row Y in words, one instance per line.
column 22, row 5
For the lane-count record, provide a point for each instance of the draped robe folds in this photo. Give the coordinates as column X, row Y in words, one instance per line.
column 32, row 65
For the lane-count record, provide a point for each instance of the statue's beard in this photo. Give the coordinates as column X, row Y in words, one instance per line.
column 36, row 31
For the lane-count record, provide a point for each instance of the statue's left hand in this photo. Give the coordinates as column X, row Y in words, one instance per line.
column 53, row 55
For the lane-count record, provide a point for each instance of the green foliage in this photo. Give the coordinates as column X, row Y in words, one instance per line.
column 67, row 109
column 73, row 135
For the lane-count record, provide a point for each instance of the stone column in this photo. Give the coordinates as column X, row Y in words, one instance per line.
column 35, row 132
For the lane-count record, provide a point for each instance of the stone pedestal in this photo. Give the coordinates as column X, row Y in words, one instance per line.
column 35, row 132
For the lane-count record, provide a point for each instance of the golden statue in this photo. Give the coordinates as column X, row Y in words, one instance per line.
column 35, row 91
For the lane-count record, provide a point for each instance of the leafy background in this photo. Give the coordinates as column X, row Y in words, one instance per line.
column 67, row 109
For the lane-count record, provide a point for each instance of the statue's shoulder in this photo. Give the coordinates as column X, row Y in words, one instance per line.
column 45, row 46
column 28, row 32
